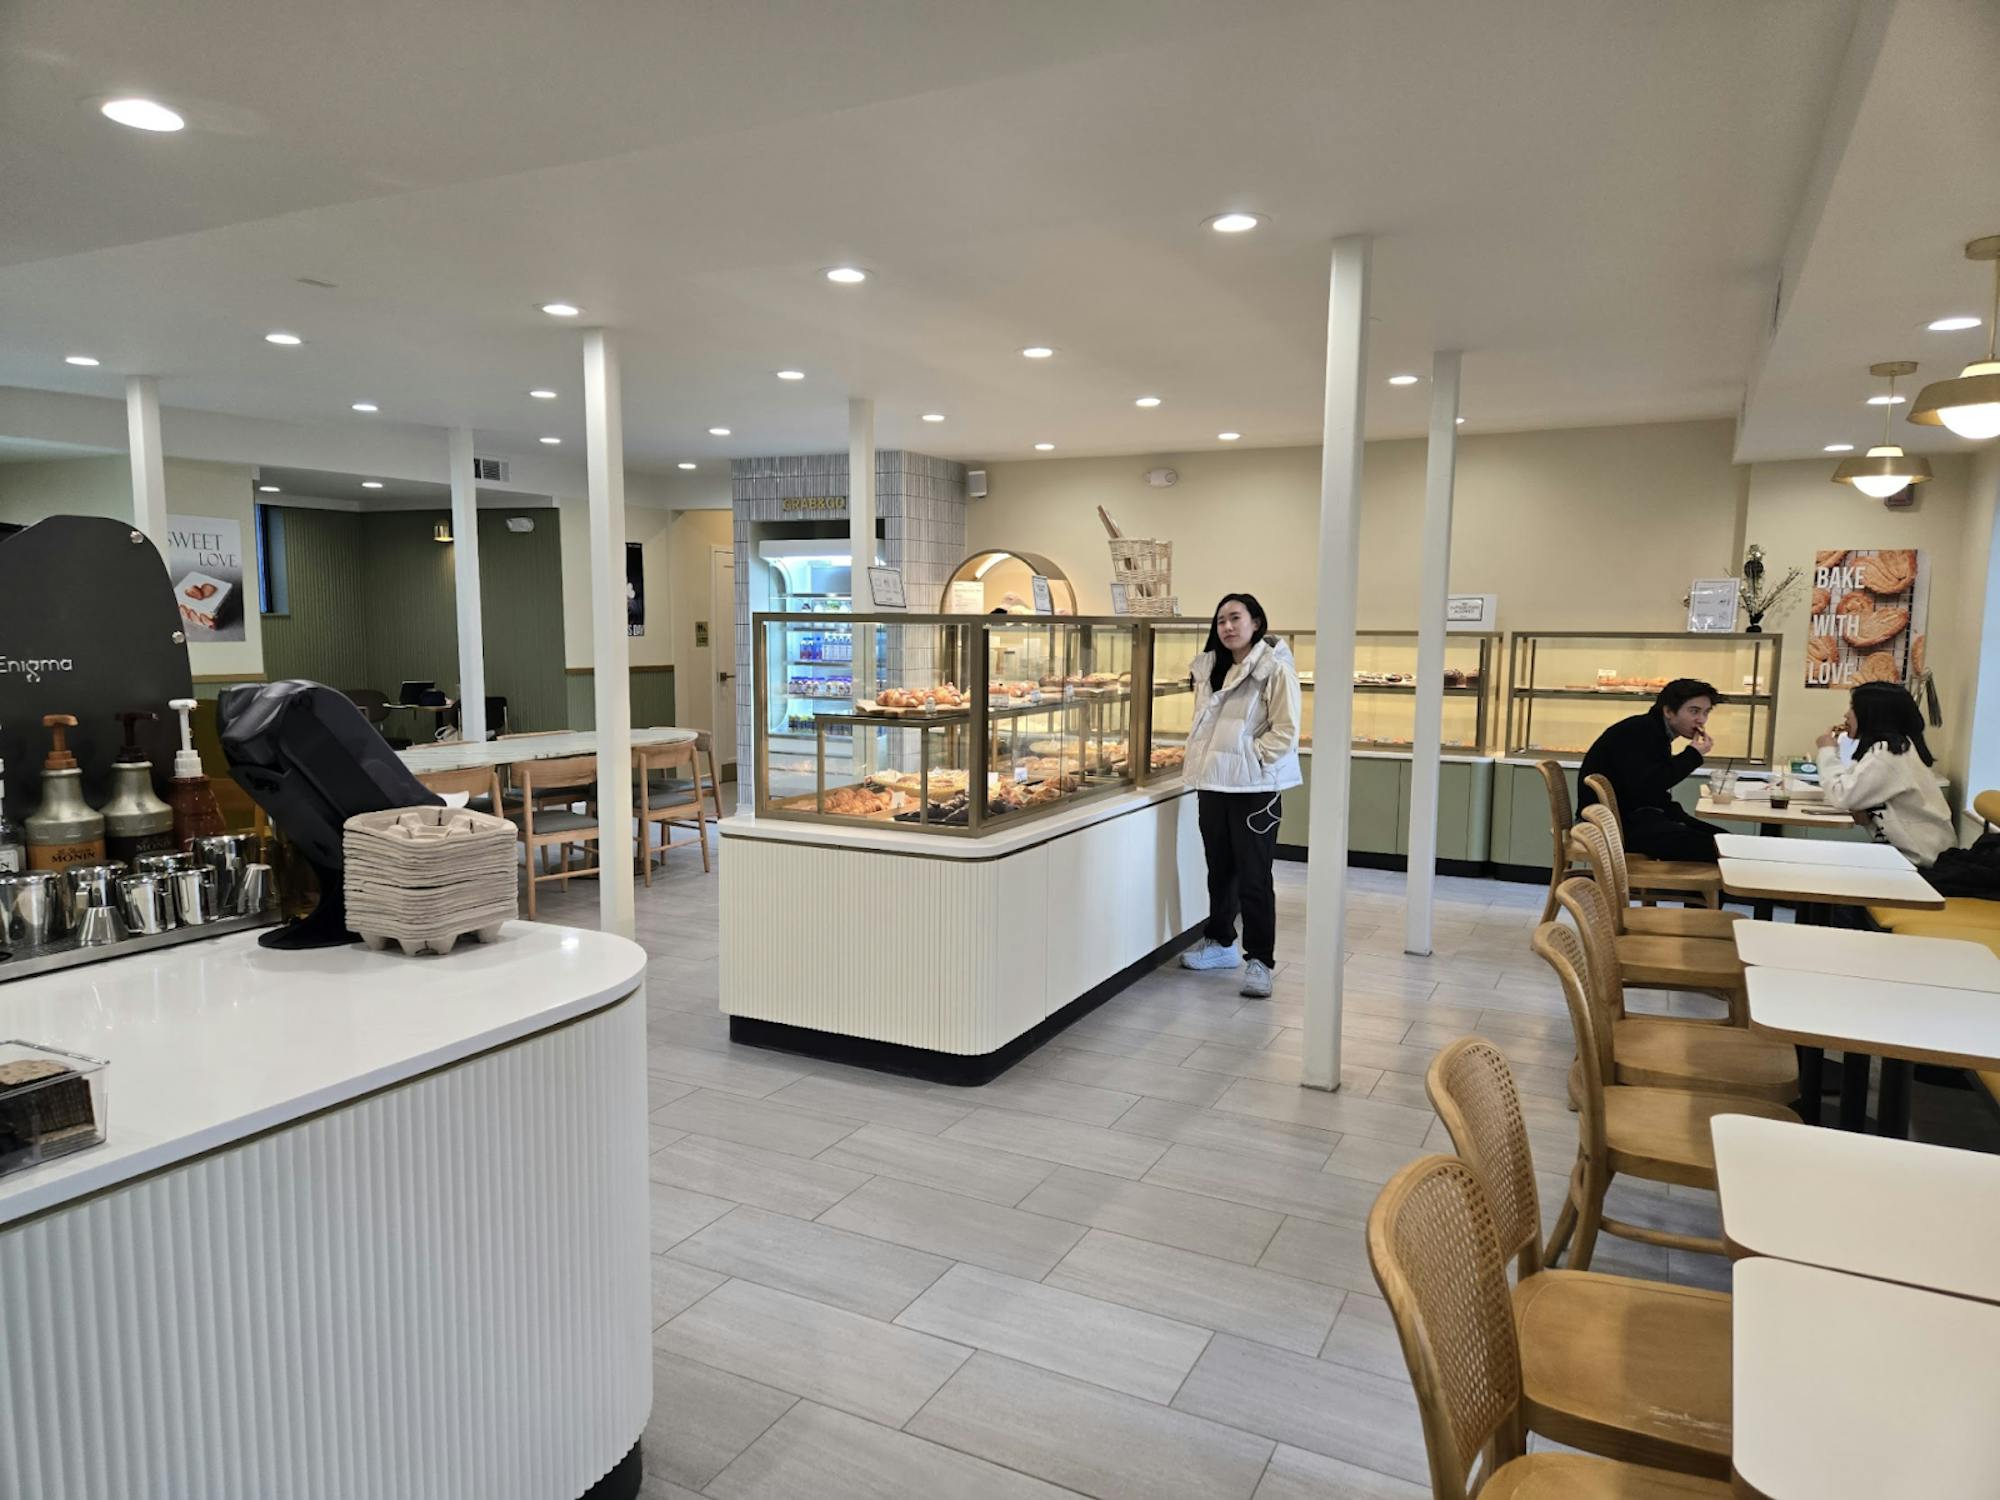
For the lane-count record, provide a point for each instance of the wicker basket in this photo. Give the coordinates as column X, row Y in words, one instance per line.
column 1145, row 567
column 1152, row 608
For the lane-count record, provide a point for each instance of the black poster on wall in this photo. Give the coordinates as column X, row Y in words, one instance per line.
column 635, row 589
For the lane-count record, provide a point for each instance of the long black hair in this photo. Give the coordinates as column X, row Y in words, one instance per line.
column 1219, row 668
column 1886, row 714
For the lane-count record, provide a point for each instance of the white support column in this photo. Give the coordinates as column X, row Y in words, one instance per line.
column 149, row 469
column 1333, row 707
column 861, row 497
column 611, row 651
column 465, row 576
column 1440, row 470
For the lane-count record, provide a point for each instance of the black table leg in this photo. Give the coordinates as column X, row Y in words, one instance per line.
column 1892, row 1114
column 1854, row 1090
column 1812, row 1063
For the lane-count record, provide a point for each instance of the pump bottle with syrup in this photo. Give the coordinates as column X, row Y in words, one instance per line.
column 196, row 813
column 65, row 830
column 136, row 821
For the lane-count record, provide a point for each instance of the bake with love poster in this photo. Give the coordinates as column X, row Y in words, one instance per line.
column 1868, row 606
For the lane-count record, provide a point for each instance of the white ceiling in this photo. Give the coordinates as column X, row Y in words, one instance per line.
column 1591, row 197
column 304, row 486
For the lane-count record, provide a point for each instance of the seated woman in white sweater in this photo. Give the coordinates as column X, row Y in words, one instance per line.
column 1890, row 775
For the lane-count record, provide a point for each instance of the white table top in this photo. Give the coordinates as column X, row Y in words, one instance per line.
column 1839, row 885
column 1851, row 854
column 1847, row 1388
column 1803, row 812
column 213, row 1041
column 461, row 755
column 1925, row 1216
column 1951, row 962
column 1920, row 1022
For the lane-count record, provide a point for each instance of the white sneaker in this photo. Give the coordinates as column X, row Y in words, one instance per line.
column 1209, row 954
column 1256, row 981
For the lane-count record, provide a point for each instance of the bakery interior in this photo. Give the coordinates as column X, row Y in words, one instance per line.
column 600, row 607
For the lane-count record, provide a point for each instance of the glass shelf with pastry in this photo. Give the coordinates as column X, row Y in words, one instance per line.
column 1037, row 710
column 1385, row 690
column 1567, row 687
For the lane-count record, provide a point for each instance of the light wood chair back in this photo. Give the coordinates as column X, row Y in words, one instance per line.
column 1472, row 1089
column 1601, row 788
column 1561, row 816
column 1562, row 949
column 474, row 781
column 678, row 808
column 1436, row 1257
column 574, row 779
column 1590, row 910
column 1602, row 845
column 704, row 744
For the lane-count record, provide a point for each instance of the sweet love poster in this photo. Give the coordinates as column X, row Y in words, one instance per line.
column 1868, row 608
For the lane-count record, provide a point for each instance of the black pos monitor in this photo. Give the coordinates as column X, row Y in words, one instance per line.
column 309, row 758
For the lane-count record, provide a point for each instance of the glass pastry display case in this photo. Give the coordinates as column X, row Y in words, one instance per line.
column 1385, row 689
column 1036, row 711
column 1567, row 687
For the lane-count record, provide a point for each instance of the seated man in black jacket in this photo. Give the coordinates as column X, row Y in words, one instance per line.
column 1636, row 756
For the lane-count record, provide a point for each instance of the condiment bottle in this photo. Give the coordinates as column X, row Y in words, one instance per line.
column 65, row 830
column 13, row 853
column 136, row 821
column 196, row 813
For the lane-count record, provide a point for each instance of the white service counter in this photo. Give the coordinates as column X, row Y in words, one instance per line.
column 364, row 1226
column 945, row 956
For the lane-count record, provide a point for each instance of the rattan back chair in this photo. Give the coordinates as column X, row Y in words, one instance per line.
column 1650, row 876
column 1561, row 860
column 1655, row 959
column 1472, row 1089
column 1673, row 921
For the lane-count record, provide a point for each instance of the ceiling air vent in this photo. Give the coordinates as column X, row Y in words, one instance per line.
column 494, row 469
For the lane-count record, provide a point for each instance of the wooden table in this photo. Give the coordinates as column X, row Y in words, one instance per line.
column 1843, row 854
column 1951, row 962
column 1758, row 810
column 1903, row 1408
column 459, row 755
column 1893, row 1020
column 1924, row 1216
column 1827, row 885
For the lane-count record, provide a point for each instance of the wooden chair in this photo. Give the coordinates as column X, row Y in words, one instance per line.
column 1437, row 1258
column 704, row 745
column 1674, row 877
column 1659, row 961
column 1562, row 861
column 654, row 767
column 543, row 825
column 1628, row 1368
column 1657, row 1134
column 476, row 782
column 1669, row 1052
column 1665, row 921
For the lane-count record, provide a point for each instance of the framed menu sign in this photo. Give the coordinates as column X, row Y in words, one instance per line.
column 1712, row 605
column 885, row 586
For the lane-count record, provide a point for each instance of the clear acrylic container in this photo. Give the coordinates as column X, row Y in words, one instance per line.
column 51, row 1103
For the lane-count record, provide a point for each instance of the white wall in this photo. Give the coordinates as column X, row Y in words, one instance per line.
column 691, row 540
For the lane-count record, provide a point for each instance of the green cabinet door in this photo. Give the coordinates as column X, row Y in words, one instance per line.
column 1521, row 833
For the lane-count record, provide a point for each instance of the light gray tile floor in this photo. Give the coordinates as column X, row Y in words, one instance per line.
column 1133, row 1266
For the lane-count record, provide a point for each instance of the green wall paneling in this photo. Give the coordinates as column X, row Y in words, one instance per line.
column 520, row 595
column 321, row 637
column 652, row 698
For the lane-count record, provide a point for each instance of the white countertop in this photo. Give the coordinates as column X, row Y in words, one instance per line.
column 889, row 838
column 464, row 755
column 1925, row 1216
column 214, row 1041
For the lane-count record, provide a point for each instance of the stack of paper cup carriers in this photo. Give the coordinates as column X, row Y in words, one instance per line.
column 423, row 877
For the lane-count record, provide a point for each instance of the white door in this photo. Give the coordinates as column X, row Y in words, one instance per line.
column 722, row 648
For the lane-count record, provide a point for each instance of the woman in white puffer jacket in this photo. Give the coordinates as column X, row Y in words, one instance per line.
column 1242, row 754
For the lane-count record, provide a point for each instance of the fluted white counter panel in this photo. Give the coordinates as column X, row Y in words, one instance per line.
column 439, row 1290
column 950, row 954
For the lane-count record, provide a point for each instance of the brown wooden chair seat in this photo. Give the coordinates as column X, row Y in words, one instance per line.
column 1666, row 877
column 1628, row 1368
column 1662, row 1134
column 1566, row 1476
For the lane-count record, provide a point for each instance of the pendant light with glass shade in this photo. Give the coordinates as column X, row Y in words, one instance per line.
column 1887, row 470
column 1969, row 405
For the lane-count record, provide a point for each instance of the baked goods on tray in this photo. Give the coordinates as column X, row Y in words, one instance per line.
column 1877, row 627
column 1889, row 572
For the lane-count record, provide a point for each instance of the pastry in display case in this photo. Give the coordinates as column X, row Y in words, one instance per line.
column 1568, row 687
column 1385, row 690
column 1032, row 711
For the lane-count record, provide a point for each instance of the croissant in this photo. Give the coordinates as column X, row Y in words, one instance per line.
column 1878, row 627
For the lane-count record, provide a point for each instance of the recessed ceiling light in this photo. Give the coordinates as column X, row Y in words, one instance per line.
column 846, row 275
column 1234, row 223
column 1887, row 400
column 552, row 441
column 1227, row 437
column 718, row 432
column 543, row 395
column 268, row 489
column 1147, row 401
column 1459, row 421
column 1402, row 380
column 1952, row 325
column 371, row 484
column 1045, row 447
column 1838, row 448
column 791, row 374
column 561, row 309
column 141, row 114
column 366, row 406
column 80, row 359
column 933, row 416
column 287, row 339
column 1037, row 351
column 685, row 466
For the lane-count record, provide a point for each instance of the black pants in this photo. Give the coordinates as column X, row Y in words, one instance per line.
column 1239, row 834
column 1670, row 833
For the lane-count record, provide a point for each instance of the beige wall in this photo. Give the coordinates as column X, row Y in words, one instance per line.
column 648, row 528
column 1657, row 504
column 103, row 487
column 690, row 542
